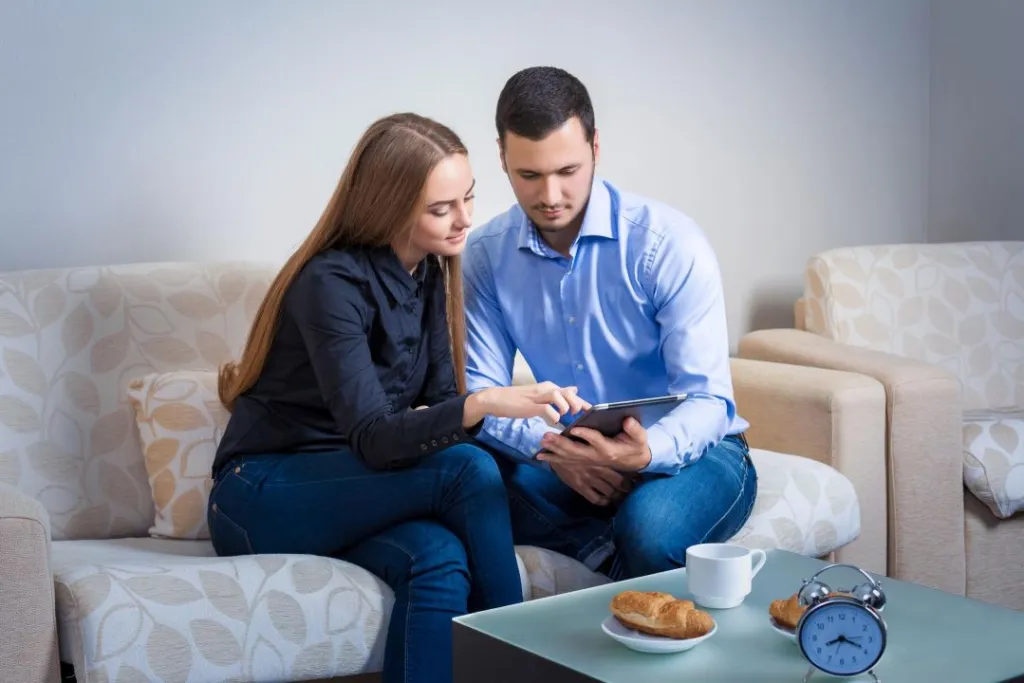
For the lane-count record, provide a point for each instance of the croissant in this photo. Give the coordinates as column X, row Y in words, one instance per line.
column 787, row 612
column 660, row 614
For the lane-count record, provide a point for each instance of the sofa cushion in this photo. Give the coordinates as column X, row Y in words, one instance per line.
column 994, row 460
column 180, row 422
column 150, row 609
column 802, row 505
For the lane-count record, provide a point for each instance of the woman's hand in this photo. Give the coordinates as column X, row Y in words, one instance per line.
column 546, row 400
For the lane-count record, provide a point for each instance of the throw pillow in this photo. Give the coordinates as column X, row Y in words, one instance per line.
column 180, row 422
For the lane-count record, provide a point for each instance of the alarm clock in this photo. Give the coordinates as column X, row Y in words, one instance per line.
column 842, row 633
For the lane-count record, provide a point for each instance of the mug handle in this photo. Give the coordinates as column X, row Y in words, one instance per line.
column 761, row 559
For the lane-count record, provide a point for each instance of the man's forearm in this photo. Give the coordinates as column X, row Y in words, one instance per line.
column 516, row 437
column 682, row 436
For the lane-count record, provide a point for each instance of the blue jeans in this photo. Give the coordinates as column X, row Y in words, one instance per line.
column 438, row 533
column 651, row 528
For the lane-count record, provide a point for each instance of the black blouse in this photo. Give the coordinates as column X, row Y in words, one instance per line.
column 360, row 342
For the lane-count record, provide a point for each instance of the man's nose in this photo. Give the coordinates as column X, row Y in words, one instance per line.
column 551, row 193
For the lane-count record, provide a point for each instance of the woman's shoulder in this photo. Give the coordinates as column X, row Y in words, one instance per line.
column 333, row 265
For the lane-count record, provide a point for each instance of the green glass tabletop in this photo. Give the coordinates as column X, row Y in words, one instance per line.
column 933, row 636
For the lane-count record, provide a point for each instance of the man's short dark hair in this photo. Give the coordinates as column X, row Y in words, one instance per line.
column 539, row 100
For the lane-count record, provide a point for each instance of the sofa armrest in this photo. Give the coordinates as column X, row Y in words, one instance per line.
column 836, row 418
column 28, row 621
column 924, row 445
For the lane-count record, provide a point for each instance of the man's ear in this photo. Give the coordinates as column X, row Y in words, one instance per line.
column 501, row 156
column 597, row 147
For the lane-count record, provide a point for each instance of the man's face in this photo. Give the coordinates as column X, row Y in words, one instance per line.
column 551, row 178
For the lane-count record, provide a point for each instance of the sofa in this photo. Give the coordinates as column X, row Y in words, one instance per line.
column 108, row 421
column 941, row 326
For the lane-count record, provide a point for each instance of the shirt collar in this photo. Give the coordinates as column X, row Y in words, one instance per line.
column 399, row 283
column 599, row 221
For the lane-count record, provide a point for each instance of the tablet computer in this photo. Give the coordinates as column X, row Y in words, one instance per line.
column 607, row 418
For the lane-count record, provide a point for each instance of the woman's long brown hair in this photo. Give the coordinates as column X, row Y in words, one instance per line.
column 375, row 202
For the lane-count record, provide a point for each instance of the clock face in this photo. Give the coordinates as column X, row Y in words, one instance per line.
column 842, row 637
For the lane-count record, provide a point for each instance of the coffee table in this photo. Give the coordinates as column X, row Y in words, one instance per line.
column 933, row 636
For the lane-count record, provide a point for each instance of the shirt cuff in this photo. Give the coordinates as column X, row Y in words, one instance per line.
column 666, row 453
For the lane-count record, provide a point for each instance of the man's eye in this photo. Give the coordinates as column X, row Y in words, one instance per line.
column 567, row 171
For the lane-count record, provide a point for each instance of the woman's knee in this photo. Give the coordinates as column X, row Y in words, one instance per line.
column 470, row 465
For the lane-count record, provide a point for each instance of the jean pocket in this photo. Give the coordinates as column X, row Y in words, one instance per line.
column 228, row 538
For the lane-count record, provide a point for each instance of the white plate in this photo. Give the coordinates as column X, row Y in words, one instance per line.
column 782, row 630
column 641, row 642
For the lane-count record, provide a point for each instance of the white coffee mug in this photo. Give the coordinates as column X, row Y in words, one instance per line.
column 719, row 575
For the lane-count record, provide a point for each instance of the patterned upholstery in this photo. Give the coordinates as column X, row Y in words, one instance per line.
column 960, row 306
column 135, row 608
column 71, row 342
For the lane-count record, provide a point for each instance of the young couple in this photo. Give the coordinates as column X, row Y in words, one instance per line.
column 372, row 414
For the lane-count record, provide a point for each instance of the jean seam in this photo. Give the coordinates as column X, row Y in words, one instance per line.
column 736, row 500
column 408, row 588
column 238, row 527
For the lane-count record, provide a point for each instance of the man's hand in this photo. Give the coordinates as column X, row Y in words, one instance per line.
column 627, row 452
column 599, row 485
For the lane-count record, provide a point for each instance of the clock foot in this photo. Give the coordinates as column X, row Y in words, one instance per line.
column 811, row 670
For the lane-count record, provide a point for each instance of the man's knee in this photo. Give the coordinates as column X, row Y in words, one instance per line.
column 647, row 544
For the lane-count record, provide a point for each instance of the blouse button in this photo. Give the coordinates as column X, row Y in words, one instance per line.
column 423, row 446
column 433, row 442
column 444, row 439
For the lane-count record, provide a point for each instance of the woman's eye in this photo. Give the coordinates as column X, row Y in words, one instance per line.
column 440, row 214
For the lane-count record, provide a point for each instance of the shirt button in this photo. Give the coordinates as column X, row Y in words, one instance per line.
column 214, row 507
column 579, row 366
column 455, row 437
column 237, row 470
column 572, row 320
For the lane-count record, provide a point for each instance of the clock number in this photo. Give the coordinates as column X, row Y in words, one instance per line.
column 831, row 618
column 842, row 662
column 842, row 617
column 819, row 650
column 864, row 628
column 821, row 626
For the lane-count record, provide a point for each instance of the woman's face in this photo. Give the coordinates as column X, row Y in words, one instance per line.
column 446, row 212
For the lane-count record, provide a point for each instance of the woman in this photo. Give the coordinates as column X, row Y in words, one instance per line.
column 351, row 434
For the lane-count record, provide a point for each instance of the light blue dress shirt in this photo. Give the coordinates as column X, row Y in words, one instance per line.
column 635, row 311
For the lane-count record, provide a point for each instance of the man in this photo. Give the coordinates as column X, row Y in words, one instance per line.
column 621, row 297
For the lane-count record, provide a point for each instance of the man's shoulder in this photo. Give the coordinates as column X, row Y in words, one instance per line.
column 487, row 242
column 654, row 216
column 504, row 225
column 652, row 226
